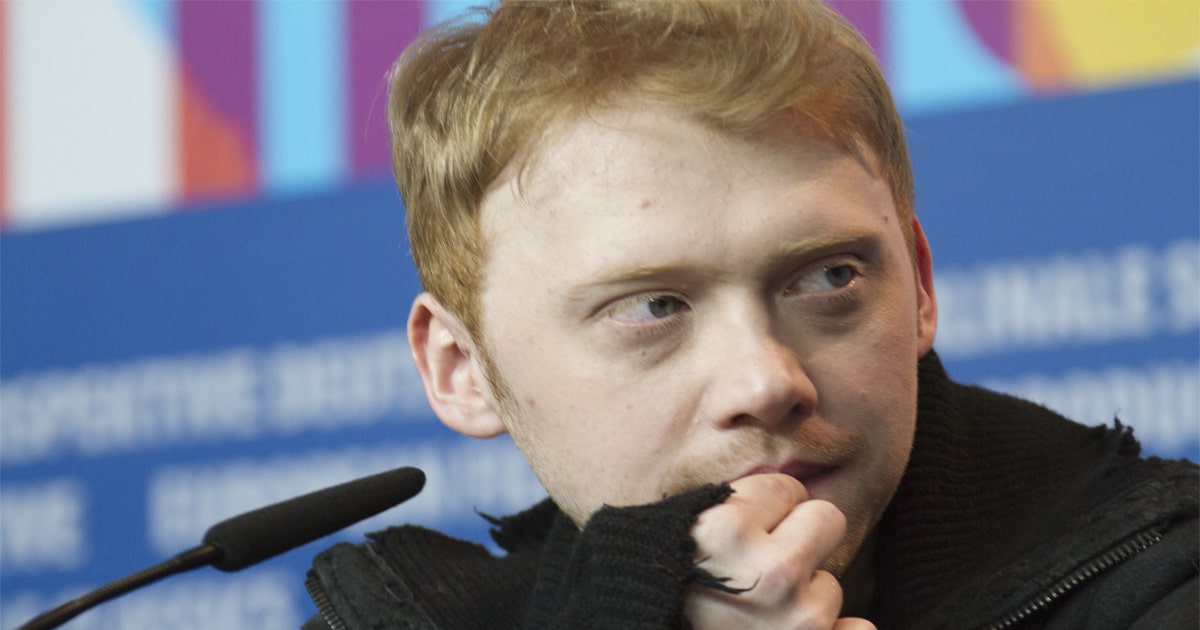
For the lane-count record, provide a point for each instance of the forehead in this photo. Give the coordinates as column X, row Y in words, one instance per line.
column 651, row 167
column 612, row 154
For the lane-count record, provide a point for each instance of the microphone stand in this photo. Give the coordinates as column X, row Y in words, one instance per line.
column 191, row 559
column 250, row 538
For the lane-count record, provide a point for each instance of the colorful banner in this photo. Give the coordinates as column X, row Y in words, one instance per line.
column 205, row 280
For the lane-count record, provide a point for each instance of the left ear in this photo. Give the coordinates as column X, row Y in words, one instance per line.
column 926, row 300
column 448, row 362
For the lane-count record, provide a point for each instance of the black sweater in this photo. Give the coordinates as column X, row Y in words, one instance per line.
column 1008, row 516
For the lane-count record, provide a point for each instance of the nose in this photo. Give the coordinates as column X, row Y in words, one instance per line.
column 756, row 378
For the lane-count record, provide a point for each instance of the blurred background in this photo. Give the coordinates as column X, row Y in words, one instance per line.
column 204, row 277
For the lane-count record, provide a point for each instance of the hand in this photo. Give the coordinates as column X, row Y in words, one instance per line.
column 769, row 536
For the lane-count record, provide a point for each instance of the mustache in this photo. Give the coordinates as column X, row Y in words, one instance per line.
column 825, row 446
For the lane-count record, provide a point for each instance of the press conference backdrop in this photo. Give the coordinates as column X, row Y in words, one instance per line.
column 205, row 278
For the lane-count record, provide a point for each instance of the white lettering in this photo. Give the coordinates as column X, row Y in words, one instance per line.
column 342, row 382
column 237, row 394
column 261, row 599
column 1161, row 401
column 22, row 606
column 42, row 525
column 1132, row 293
column 461, row 477
column 98, row 410
column 1182, row 271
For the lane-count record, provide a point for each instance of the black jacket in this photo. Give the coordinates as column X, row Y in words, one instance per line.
column 1008, row 516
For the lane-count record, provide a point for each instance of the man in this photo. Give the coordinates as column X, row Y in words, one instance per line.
column 671, row 249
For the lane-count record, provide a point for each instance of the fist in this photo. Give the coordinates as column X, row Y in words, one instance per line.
column 769, row 537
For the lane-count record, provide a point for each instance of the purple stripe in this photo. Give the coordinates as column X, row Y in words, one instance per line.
column 378, row 32
column 218, row 49
column 867, row 17
column 992, row 21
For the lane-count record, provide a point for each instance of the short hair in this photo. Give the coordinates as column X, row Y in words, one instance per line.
column 469, row 100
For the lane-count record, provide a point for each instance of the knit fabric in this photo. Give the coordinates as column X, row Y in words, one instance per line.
column 1002, row 499
column 627, row 569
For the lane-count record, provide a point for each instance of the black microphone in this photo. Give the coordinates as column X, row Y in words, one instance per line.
column 250, row 538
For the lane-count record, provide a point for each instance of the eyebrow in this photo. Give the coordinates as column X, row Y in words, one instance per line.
column 844, row 237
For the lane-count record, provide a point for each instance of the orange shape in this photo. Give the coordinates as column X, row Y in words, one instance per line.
column 217, row 157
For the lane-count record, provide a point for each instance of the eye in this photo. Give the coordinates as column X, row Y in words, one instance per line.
column 647, row 308
column 839, row 275
column 826, row 278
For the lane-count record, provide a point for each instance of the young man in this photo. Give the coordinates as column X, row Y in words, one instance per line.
column 670, row 248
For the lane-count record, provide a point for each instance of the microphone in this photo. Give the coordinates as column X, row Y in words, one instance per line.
column 250, row 538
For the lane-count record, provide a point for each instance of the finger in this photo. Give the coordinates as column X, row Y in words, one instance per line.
column 758, row 504
column 813, row 601
column 853, row 623
column 767, row 498
column 811, row 532
column 822, row 595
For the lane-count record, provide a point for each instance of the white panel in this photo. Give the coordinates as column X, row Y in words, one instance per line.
column 91, row 113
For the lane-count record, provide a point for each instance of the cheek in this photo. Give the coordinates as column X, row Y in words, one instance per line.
column 891, row 392
column 596, row 436
column 870, row 377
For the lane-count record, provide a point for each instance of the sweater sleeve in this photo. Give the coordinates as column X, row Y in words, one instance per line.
column 628, row 568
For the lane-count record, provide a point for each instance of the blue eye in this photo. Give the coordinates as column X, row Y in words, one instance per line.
column 645, row 308
column 839, row 275
column 662, row 306
column 826, row 278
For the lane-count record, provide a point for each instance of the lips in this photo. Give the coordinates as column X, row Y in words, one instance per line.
column 811, row 474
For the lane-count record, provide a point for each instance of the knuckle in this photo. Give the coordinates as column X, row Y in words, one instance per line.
column 783, row 485
column 782, row 574
column 779, row 579
column 721, row 526
column 820, row 602
column 772, row 484
column 828, row 513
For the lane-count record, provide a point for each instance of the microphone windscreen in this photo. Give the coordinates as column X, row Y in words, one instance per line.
column 255, row 536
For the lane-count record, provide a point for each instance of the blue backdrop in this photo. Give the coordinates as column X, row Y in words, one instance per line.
column 162, row 374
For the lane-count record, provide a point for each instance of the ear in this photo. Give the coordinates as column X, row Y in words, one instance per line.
column 448, row 362
column 926, row 300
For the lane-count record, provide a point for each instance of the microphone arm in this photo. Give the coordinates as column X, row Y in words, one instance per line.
column 250, row 538
column 186, row 561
